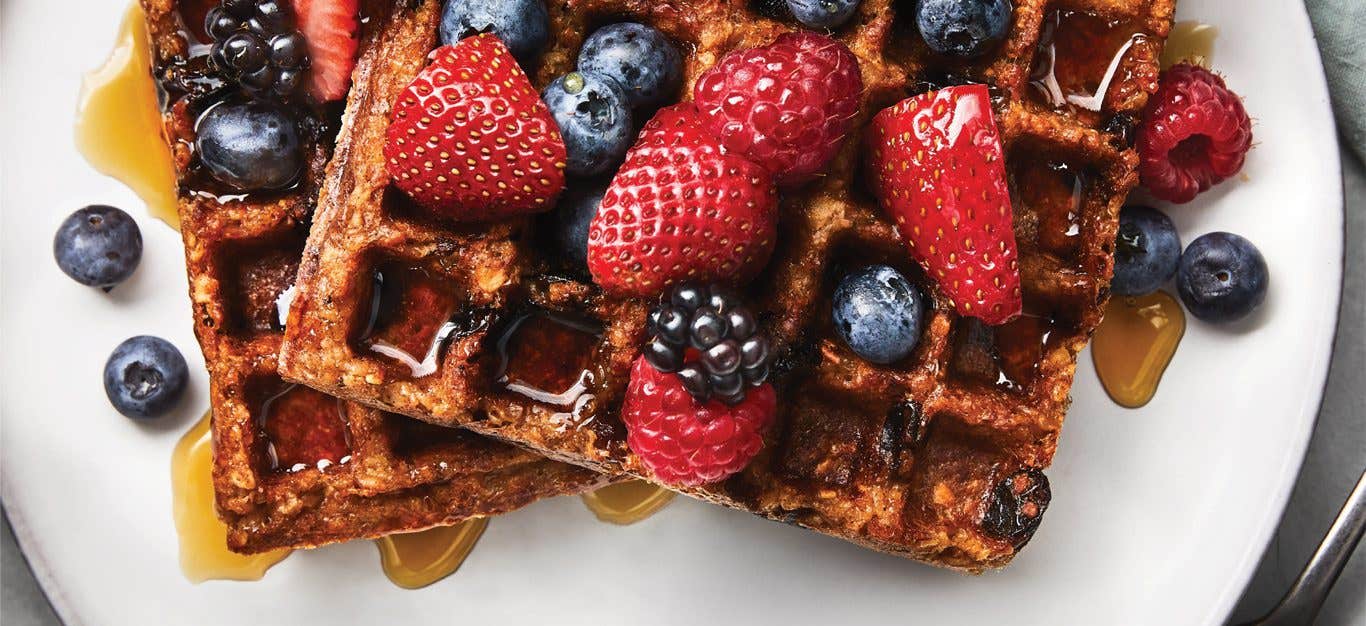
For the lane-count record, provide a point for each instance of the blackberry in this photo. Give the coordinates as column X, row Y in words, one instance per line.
column 256, row 45
column 710, row 341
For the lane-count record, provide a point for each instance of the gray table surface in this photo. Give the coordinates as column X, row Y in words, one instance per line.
column 1337, row 455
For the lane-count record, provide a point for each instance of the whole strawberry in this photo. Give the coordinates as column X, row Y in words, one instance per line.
column 1195, row 133
column 470, row 138
column 680, row 208
column 685, row 443
column 787, row 106
column 939, row 173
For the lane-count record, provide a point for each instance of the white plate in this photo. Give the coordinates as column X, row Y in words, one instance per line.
column 1159, row 515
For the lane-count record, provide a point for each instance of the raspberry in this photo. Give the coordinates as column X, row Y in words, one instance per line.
column 787, row 106
column 684, row 443
column 1195, row 133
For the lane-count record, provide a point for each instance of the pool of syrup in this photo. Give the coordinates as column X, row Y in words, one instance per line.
column 411, row 318
column 1134, row 344
column 204, row 553
column 415, row 560
column 627, row 502
column 1048, row 201
column 1189, row 41
column 118, row 123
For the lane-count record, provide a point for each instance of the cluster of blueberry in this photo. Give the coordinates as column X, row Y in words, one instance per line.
column 957, row 28
column 1221, row 277
column 100, row 246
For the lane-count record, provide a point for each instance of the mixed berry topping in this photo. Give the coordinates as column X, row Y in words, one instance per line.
column 1147, row 250
column 1195, row 133
column 256, row 44
column 144, row 377
column 786, row 106
column 686, row 443
column 681, row 209
column 1222, row 277
column 939, row 173
column 963, row 28
column 471, row 140
column 878, row 313
column 639, row 58
column 594, row 119
column 523, row 25
column 99, row 246
column 710, row 341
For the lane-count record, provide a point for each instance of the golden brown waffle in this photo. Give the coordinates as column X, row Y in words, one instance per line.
column 294, row 467
column 936, row 457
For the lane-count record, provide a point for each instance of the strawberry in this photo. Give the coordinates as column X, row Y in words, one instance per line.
column 681, row 208
column 787, row 106
column 470, row 138
column 939, row 173
column 330, row 27
column 685, row 443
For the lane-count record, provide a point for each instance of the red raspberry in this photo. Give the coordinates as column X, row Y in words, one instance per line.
column 1195, row 134
column 787, row 106
column 684, row 443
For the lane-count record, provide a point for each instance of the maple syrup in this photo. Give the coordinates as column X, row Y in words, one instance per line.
column 204, row 553
column 1005, row 356
column 1190, row 41
column 545, row 358
column 118, row 122
column 415, row 560
column 303, row 428
column 411, row 318
column 1134, row 344
column 627, row 502
column 1067, row 69
column 1051, row 193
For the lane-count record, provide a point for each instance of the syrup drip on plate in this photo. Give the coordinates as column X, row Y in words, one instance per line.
column 1134, row 344
column 1189, row 41
column 627, row 502
column 118, row 122
column 415, row 560
column 204, row 553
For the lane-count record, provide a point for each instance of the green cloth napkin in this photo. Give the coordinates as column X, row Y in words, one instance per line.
column 1340, row 26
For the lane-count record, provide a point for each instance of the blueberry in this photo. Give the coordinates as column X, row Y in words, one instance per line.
column 878, row 313
column 822, row 13
column 1147, row 251
column 963, row 28
column 594, row 119
column 99, row 246
column 250, row 146
column 523, row 25
column 144, row 377
column 641, row 59
column 571, row 218
column 1222, row 277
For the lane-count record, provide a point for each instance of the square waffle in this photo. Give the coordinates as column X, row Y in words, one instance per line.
column 937, row 457
column 294, row 467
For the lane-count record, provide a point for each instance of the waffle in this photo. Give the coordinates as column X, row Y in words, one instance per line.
column 277, row 477
column 937, row 457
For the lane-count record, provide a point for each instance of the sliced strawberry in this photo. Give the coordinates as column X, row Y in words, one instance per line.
column 939, row 173
column 787, row 106
column 331, row 29
column 681, row 209
column 470, row 138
